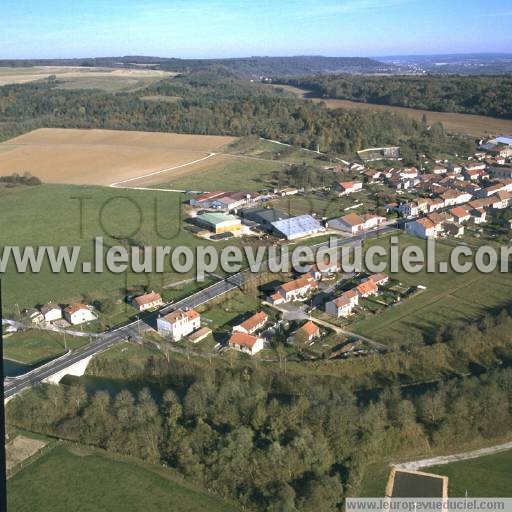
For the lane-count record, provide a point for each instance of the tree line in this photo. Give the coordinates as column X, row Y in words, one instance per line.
column 486, row 95
column 216, row 103
column 282, row 444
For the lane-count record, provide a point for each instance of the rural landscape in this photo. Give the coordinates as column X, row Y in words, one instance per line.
column 135, row 381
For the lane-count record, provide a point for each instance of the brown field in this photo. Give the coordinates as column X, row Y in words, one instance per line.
column 21, row 448
column 105, row 157
column 470, row 124
column 19, row 75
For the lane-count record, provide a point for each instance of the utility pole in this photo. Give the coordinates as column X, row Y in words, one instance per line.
column 3, row 473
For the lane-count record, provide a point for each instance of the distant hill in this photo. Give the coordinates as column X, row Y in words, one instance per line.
column 246, row 66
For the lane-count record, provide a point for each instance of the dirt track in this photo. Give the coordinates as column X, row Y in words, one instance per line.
column 447, row 459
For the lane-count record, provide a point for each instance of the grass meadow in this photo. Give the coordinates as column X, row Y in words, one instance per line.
column 482, row 477
column 52, row 215
column 34, row 345
column 78, row 478
column 449, row 298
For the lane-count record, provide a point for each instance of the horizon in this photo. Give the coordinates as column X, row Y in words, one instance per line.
column 233, row 29
column 375, row 57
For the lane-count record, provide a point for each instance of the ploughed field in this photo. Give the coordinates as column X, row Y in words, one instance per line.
column 84, row 77
column 107, row 157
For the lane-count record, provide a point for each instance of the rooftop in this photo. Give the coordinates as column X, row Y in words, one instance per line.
column 217, row 217
column 242, row 339
column 297, row 225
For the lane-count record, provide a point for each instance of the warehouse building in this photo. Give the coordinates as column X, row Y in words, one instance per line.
column 219, row 222
column 263, row 217
column 297, row 227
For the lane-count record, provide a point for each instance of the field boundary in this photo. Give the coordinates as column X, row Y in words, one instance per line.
column 161, row 171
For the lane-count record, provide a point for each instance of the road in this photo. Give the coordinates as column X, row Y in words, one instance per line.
column 107, row 339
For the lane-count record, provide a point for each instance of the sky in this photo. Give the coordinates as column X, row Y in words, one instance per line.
column 237, row 28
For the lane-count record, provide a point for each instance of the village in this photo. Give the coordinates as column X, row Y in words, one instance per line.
column 443, row 199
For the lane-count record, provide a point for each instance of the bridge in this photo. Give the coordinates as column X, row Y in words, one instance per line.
column 75, row 362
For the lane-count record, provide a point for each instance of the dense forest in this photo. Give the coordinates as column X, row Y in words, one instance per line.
column 242, row 66
column 217, row 103
column 285, row 442
column 486, row 95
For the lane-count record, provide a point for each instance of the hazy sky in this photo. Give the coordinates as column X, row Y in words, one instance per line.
column 213, row 28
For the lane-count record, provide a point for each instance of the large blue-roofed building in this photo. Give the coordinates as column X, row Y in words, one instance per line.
column 297, row 227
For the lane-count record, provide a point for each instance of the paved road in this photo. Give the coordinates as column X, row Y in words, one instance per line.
column 108, row 339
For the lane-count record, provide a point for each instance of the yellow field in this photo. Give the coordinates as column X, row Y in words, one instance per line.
column 18, row 75
column 106, row 157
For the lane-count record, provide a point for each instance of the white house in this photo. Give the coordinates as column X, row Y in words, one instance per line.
column 413, row 209
column 77, row 314
column 308, row 332
column 179, row 323
column 298, row 289
column 423, row 228
column 246, row 343
column 252, row 324
column 343, row 305
column 51, row 312
column 353, row 223
column 348, row 187
column 147, row 301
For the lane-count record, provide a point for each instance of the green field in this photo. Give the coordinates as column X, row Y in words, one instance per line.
column 51, row 215
column 34, row 346
column 75, row 478
column 482, row 477
column 449, row 297
column 233, row 174
column 485, row 476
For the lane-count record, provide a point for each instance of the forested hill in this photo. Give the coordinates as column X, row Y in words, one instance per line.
column 247, row 66
column 485, row 95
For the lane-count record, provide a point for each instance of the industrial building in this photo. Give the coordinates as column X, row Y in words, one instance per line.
column 219, row 222
column 297, row 227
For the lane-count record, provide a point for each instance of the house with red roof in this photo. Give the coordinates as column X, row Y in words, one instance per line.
column 246, row 343
column 252, row 324
column 298, row 289
column 147, row 301
column 308, row 332
column 347, row 187
column 343, row 305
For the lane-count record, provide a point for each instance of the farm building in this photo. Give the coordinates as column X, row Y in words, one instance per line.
column 51, row 312
column 263, row 216
column 219, row 222
column 297, row 227
column 179, row 323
